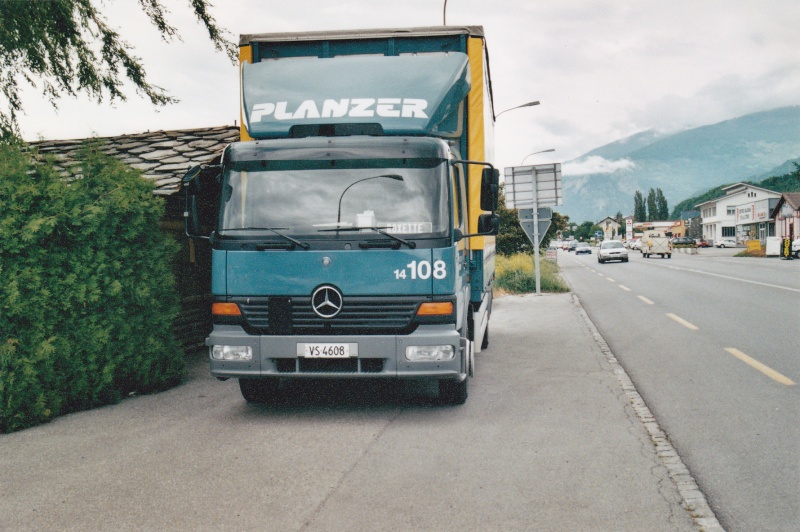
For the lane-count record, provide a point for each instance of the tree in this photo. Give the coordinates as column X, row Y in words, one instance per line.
column 661, row 205
column 558, row 224
column 87, row 289
column 639, row 209
column 68, row 48
column 652, row 209
column 511, row 238
column 621, row 223
column 586, row 231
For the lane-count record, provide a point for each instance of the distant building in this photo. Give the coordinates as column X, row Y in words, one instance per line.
column 612, row 230
column 743, row 213
column 693, row 223
column 787, row 216
column 668, row 227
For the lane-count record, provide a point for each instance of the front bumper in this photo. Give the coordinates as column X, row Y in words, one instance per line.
column 378, row 356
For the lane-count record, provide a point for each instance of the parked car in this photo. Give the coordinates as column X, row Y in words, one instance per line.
column 612, row 250
column 725, row 243
column 796, row 248
column 583, row 247
column 701, row 243
column 636, row 244
column 683, row 241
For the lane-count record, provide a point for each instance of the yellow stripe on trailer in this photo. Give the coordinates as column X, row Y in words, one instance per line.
column 480, row 130
column 245, row 56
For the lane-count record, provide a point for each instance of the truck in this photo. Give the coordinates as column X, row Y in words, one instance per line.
column 352, row 228
column 656, row 242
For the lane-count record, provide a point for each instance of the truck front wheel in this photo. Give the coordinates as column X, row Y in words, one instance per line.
column 259, row 390
column 453, row 392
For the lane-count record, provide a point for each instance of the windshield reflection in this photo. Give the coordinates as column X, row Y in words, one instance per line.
column 410, row 201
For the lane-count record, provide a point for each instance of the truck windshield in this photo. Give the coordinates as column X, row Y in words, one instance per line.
column 406, row 199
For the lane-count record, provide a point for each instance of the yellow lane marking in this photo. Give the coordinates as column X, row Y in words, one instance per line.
column 625, row 288
column 755, row 364
column 646, row 300
column 682, row 321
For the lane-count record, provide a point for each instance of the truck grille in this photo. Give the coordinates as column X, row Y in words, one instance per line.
column 322, row 366
column 364, row 315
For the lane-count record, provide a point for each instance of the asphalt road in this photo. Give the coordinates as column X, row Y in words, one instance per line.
column 548, row 440
column 711, row 343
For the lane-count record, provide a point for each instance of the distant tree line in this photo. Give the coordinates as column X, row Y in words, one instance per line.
column 655, row 208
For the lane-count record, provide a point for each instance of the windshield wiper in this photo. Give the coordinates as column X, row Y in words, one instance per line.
column 274, row 231
column 380, row 230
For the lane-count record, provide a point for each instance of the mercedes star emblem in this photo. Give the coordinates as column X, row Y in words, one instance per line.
column 326, row 301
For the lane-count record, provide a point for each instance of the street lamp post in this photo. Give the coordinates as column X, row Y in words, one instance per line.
column 529, row 104
column 534, row 153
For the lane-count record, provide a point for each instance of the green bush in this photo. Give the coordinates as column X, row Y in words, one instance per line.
column 516, row 275
column 87, row 291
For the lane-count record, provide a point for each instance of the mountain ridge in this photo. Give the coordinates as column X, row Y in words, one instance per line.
column 682, row 164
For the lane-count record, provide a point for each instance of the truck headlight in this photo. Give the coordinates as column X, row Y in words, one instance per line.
column 231, row 352
column 427, row 353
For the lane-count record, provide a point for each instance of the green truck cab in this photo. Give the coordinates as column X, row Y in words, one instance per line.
column 352, row 227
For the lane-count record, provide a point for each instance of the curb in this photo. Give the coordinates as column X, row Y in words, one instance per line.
column 694, row 501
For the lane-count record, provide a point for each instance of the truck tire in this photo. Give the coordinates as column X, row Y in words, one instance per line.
column 259, row 390
column 453, row 392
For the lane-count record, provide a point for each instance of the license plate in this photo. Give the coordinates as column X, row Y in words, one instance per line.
column 327, row 350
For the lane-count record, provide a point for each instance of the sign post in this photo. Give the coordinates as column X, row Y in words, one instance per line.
column 532, row 190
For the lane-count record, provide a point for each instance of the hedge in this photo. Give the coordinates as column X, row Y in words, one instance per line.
column 87, row 290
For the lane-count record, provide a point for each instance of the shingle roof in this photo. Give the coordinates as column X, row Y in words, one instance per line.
column 163, row 156
column 793, row 199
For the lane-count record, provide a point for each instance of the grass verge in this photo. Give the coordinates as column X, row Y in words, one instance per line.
column 516, row 275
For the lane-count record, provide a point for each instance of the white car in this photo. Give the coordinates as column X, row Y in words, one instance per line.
column 725, row 243
column 612, row 250
column 796, row 248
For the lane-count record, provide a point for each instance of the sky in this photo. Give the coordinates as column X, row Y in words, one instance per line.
column 602, row 69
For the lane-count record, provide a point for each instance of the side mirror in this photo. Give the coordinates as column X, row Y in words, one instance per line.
column 488, row 224
column 490, row 189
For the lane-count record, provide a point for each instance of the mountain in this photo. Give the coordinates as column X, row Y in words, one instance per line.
column 603, row 181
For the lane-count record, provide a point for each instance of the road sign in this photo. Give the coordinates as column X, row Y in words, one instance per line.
column 519, row 189
column 528, row 224
column 531, row 190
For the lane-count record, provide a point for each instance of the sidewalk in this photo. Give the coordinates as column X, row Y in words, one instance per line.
column 609, row 456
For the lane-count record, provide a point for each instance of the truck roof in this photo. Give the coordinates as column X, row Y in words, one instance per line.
column 422, row 31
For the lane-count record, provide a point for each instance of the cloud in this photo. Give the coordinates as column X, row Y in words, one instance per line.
column 596, row 165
